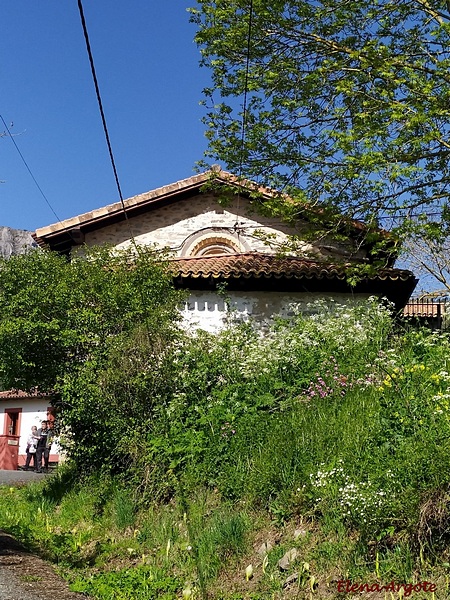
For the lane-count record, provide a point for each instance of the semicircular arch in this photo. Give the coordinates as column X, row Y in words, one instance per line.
column 212, row 242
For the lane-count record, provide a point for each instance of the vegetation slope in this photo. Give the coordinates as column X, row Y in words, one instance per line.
column 324, row 441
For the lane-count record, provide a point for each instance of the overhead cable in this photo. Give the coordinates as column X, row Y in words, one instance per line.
column 100, row 105
column 28, row 168
column 244, row 110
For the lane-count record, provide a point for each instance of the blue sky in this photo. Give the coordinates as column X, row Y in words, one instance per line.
column 151, row 84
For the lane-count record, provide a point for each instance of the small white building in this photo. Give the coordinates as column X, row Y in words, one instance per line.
column 19, row 411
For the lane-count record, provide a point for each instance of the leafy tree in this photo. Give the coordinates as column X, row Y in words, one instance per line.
column 348, row 101
column 93, row 333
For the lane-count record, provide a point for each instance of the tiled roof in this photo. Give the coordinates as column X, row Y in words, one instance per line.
column 101, row 217
column 9, row 394
column 250, row 265
column 425, row 309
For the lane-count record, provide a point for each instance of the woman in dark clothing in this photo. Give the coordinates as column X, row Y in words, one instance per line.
column 43, row 447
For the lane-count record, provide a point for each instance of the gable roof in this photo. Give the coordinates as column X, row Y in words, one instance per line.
column 55, row 234
column 250, row 270
column 63, row 235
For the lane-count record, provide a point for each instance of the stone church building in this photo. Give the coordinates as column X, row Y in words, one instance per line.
column 218, row 236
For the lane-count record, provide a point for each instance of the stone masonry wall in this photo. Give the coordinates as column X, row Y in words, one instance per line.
column 172, row 226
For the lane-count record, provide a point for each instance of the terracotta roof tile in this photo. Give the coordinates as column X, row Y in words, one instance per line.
column 9, row 394
column 267, row 265
column 425, row 309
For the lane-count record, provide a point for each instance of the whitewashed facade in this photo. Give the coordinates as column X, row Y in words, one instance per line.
column 19, row 411
column 206, row 310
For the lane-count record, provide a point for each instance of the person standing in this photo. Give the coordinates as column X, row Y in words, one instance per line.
column 32, row 441
column 43, row 447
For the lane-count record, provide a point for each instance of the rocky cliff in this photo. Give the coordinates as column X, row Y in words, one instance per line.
column 15, row 241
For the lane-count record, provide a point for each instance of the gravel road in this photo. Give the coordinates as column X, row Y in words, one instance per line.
column 19, row 477
column 24, row 576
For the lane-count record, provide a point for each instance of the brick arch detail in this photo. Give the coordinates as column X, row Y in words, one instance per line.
column 226, row 242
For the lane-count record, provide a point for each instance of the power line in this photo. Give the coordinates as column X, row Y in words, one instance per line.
column 244, row 110
column 100, row 105
column 29, row 170
column 247, row 70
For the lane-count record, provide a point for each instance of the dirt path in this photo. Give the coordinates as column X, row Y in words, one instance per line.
column 24, row 576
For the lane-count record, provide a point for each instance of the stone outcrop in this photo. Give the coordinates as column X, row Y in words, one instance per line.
column 15, row 241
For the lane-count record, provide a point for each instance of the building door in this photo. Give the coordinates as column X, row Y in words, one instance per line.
column 9, row 441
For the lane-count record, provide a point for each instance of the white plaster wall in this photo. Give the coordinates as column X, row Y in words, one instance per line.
column 208, row 311
column 34, row 411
